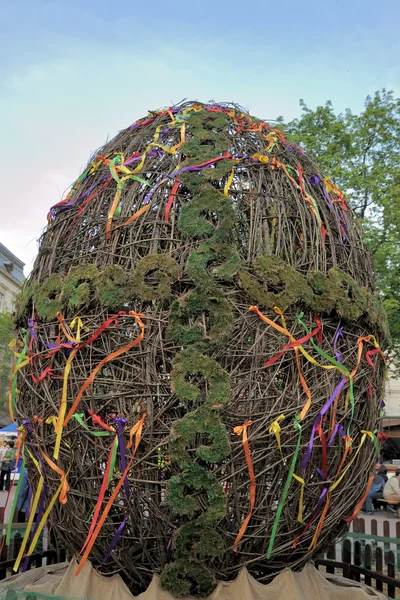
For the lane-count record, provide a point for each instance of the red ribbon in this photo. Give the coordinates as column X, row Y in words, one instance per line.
column 294, row 344
column 171, row 199
column 99, row 421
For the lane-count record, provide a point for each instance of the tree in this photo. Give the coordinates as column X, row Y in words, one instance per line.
column 5, row 357
column 361, row 155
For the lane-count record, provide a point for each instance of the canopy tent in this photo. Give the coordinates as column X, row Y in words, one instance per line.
column 11, row 428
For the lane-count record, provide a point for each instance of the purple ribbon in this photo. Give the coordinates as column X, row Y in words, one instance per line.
column 317, row 420
column 315, row 180
column 320, row 473
column 114, row 540
column 49, row 346
column 121, row 422
column 338, row 427
column 338, row 334
column 31, row 328
column 314, row 512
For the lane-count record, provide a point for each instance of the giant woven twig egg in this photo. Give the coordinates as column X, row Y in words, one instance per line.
column 205, row 373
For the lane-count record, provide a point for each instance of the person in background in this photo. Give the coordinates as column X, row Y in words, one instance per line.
column 3, row 450
column 382, row 471
column 23, row 498
column 374, row 493
column 392, row 489
column 7, row 464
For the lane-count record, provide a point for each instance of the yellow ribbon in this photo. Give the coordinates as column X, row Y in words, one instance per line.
column 364, row 436
column 32, row 513
column 228, row 183
column 275, row 429
column 52, row 421
column 301, row 499
column 63, row 407
column 317, row 532
column 47, row 512
column 261, row 158
column 78, row 323
column 144, row 155
column 58, row 426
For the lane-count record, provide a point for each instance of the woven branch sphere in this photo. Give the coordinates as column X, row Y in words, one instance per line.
column 205, row 362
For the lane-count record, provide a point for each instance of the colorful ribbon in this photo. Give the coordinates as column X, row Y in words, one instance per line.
column 22, row 361
column 105, row 360
column 242, row 430
column 104, row 485
column 32, row 512
column 138, row 431
column 282, row 500
column 275, row 429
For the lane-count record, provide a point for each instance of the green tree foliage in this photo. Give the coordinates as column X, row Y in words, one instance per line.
column 361, row 153
column 5, row 356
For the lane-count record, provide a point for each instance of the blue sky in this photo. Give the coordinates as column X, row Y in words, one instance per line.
column 73, row 73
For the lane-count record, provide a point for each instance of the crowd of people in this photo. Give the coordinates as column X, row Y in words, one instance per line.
column 383, row 488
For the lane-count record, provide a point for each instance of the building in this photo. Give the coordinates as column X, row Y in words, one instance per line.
column 391, row 422
column 11, row 278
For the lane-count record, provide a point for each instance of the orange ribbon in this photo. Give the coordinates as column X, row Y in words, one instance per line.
column 105, row 360
column 362, row 500
column 283, row 330
column 242, row 430
column 65, row 487
column 348, row 443
column 138, row 430
column 171, row 199
column 135, row 216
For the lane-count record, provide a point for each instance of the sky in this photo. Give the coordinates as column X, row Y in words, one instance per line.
column 75, row 72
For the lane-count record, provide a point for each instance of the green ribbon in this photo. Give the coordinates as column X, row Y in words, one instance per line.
column 19, row 360
column 376, row 442
column 113, row 459
column 14, row 504
column 282, row 500
column 121, row 183
column 79, row 417
column 333, row 362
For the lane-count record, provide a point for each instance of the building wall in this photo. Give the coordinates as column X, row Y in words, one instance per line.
column 392, row 398
column 11, row 278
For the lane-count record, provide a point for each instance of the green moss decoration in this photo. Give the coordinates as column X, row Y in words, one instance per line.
column 320, row 293
column 278, row 275
column 22, row 300
column 206, row 542
column 47, row 297
column 225, row 258
column 191, row 540
column 112, row 286
column 78, row 286
column 200, row 304
column 163, row 270
column 209, row 139
column 209, row 202
column 194, row 479
column 184, row 577
column 206, row 423
column 191, row 362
